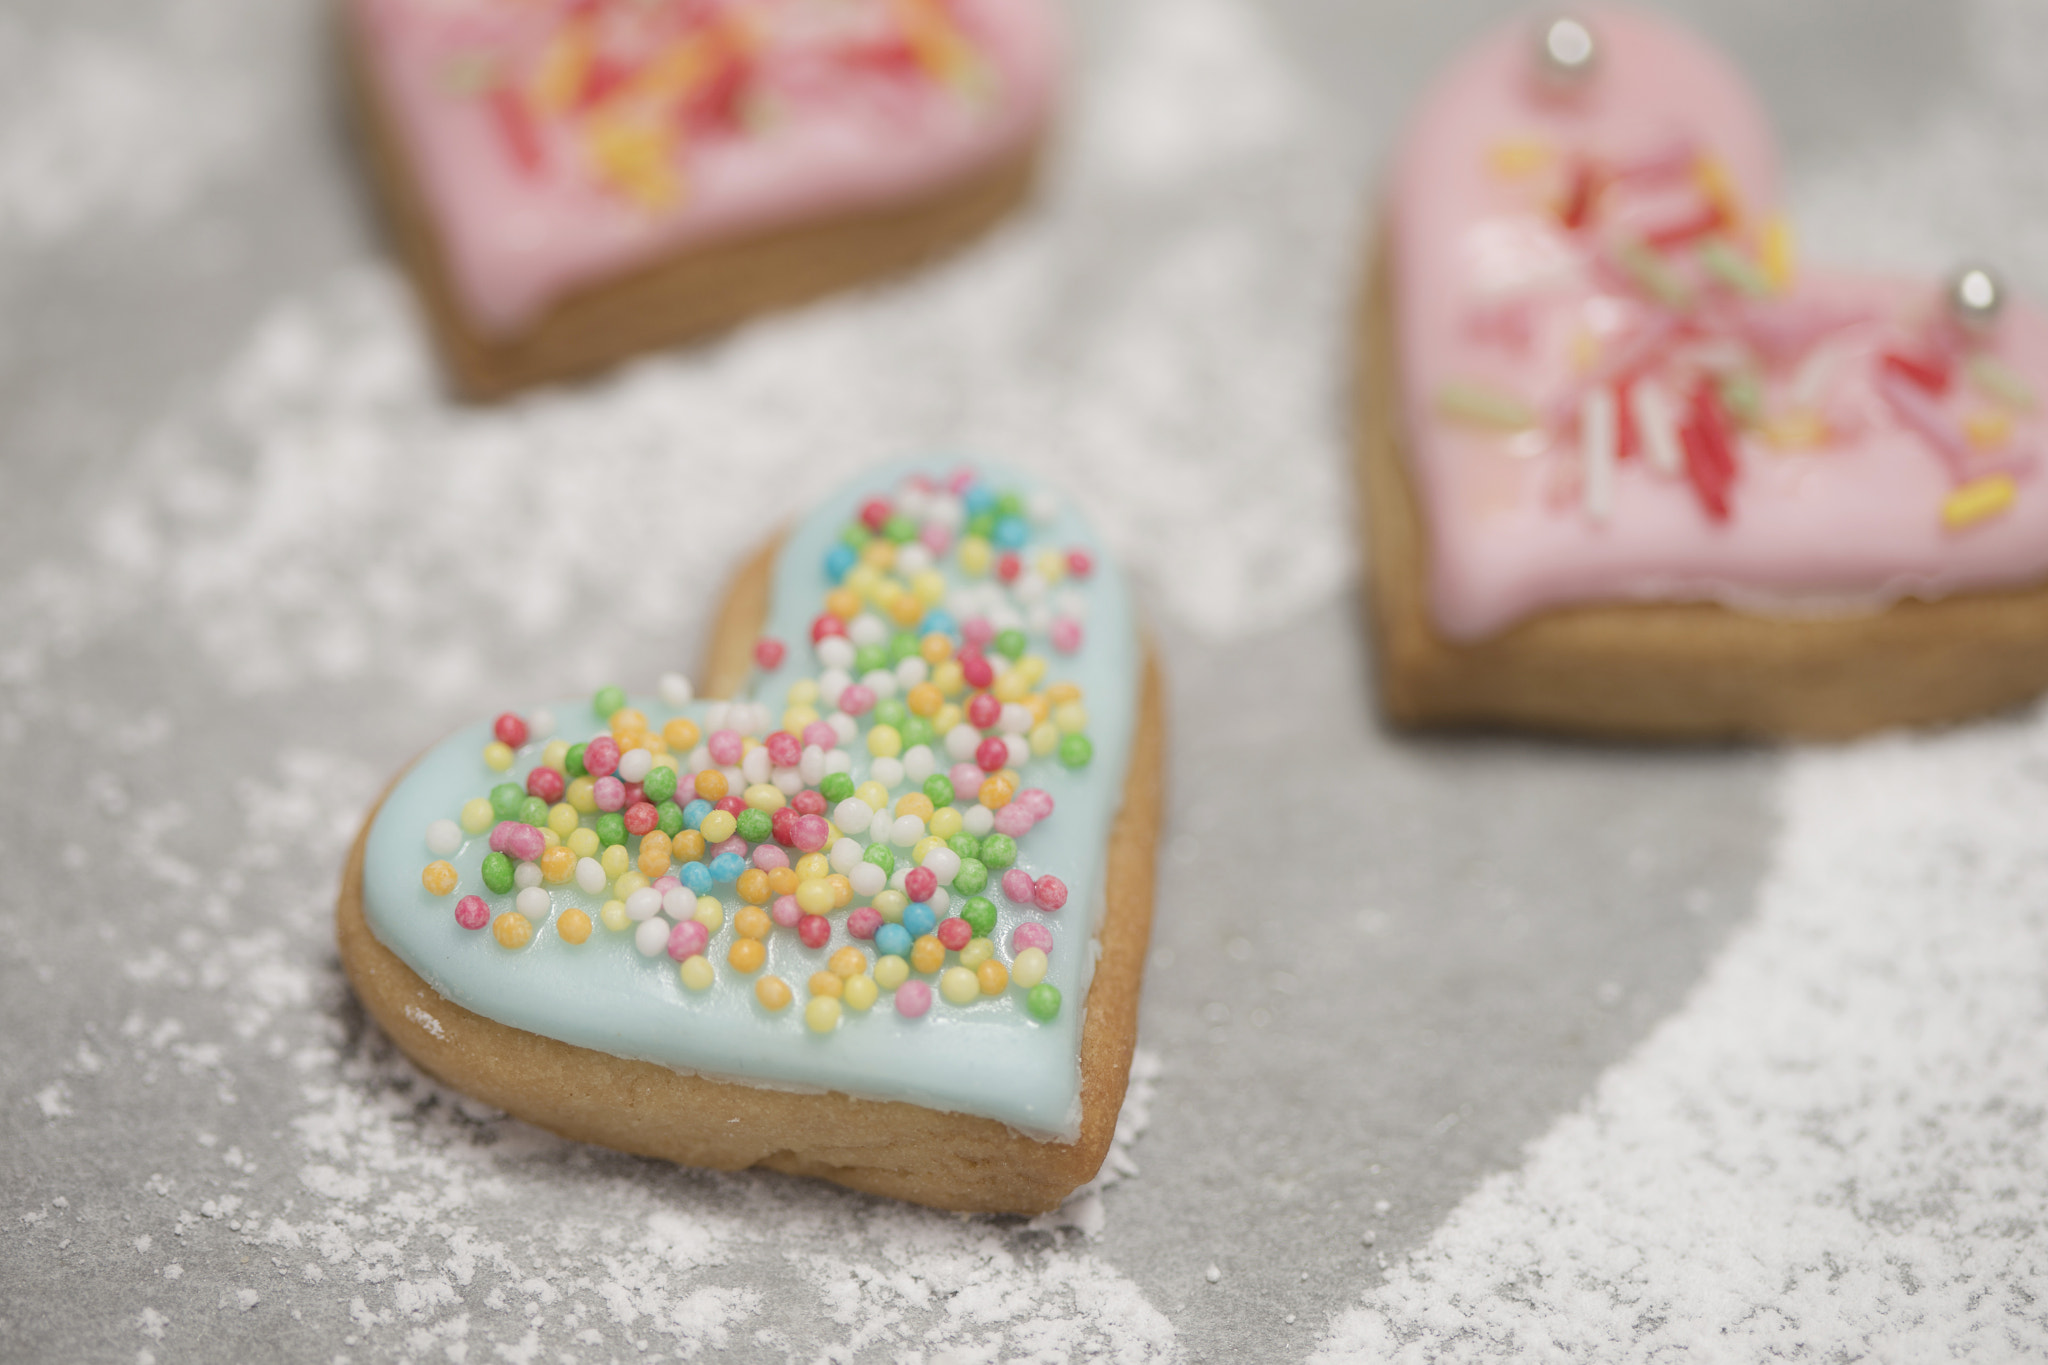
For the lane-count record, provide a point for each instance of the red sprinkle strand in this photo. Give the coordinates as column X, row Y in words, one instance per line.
column 1931, row 373
column 516, row 128
column 1709, row 454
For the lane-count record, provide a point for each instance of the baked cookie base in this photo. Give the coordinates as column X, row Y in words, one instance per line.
column 683, row 297
column 925, row 1156
column 1663, row 671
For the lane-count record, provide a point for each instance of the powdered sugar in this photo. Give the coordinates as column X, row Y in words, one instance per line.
column 1832, row 1149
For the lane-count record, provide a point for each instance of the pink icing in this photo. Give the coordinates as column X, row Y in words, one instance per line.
column 1491, row 288
column 823, row 133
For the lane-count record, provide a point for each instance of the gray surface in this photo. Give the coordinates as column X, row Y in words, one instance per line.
column 1378, row 971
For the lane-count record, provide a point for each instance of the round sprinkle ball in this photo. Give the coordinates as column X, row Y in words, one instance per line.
column 512, row 929
column 773, row 993
column 438, row 877
column 913, row 998
column 1043, row 1000
column 573, row 925
column 471, row 912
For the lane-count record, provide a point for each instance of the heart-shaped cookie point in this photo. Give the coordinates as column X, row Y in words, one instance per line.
column 1616, row 420
column 576, row 181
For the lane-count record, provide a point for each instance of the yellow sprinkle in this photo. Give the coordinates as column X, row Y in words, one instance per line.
column 1515, row 157
column 635, row 158
column 497, row 756
column 1710, row 173
column 1777, row 253
column 861, row 991
column 477, row 816
column 439, row 877
column 614, row 917
column 512, row 929
column 820, row 1016
column 1987, row 430
column 563, row 68
column 1796, row 431
column 573, row 925
column 773, row 993
column 1977, row 500
column 698, row 973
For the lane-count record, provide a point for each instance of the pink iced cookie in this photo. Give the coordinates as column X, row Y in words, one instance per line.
column 1615, row 387
column 556, row 166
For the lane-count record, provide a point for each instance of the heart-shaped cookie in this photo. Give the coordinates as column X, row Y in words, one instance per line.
column 882, row 920
column 575, row 181
column 1631, row 469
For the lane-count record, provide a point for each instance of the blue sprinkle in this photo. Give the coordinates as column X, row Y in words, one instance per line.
column 696, row 876
column 892, row 939
column 838, row 560
column 694, row 813
column 1012, row 534
column 942, row 621
column 918, row 919
column 979, row 499
column 727, row 867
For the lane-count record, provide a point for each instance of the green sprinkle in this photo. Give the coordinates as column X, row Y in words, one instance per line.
column 1465, row 401
column 1010, row 643
column 881, row 857
column 891, row 711
column 1043, row 1001
column 572, row 762
column 868, row 658
column 1743, row 396
column 856, row 535
column 982, row 524
column 966, row 845
column 971, row 878
column 497, row 872
column 900, row 529
column 938, row 789
column 917, row 730
column 998, row 851
column 754, row 825
column 608, row 702
column 902, row 645
column 1996, row 379
column 1653, row 275
column 611, row 828
column 659, row 784
column 532, row 811
column 506, row 799
column 980, row 914
column 1076, row 750
column 836, row 787
column 1010, row 504
column 1734, row 269
column 670, row 815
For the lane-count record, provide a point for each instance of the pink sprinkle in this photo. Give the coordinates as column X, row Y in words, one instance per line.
column 736, row 844
column 919, row 883
column 966, row 781
column 992, row 754
column 500, row 832
column 976, row 632
column 1031, row 934
column 635, row 793
column 862, row 923
column 726, row 747
column 983, row 710
column 913, row 998
column 768, row 857
column 814, row 930
column 936, row 538
column 1014, row 821
column 1050, row 893
column 1066, row 634
column 510, row 729
column 1017, row 885
column 783, row 749
column 785, row 911
column 1079, row 563
column 665, row 884
column 545, row 783
column 768, row 652
column 807, row 802
column 955, row 933
column 609, row 793
column 811, row 832
column 960, row 480
column 525, row 843
column 472, row 913
column 1036, row 800
column 687, row 940
column 856, row 699
column 822, row 735
column 601, row 756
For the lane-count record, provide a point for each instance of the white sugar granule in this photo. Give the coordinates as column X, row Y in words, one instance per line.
column 1833, row 1150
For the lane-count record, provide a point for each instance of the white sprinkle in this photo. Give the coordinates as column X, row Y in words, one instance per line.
column 590, row 876
column 540, row 723
column 887, row 771
column 918, row 763
column 979, row 820
column 526, row 876
column 867, row 879
column 1655, row 427
column 1212, row 1274
column 635, row 764
column 643, row 904
column 651, row 938
column 836, row 652
column 443, row 837
column 1597, row 431
column 533, row 903
column 867, row 629
column 675, row 690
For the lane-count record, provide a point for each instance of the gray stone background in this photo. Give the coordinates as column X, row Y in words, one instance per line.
column 1382, row 964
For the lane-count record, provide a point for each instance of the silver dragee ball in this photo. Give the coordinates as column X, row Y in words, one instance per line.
column 1566, row 52
column 1975, row 296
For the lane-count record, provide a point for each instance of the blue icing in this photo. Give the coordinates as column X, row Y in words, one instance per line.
column 989, row 1058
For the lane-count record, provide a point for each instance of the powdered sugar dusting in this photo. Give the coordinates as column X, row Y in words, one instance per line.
column 1833, row 1148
